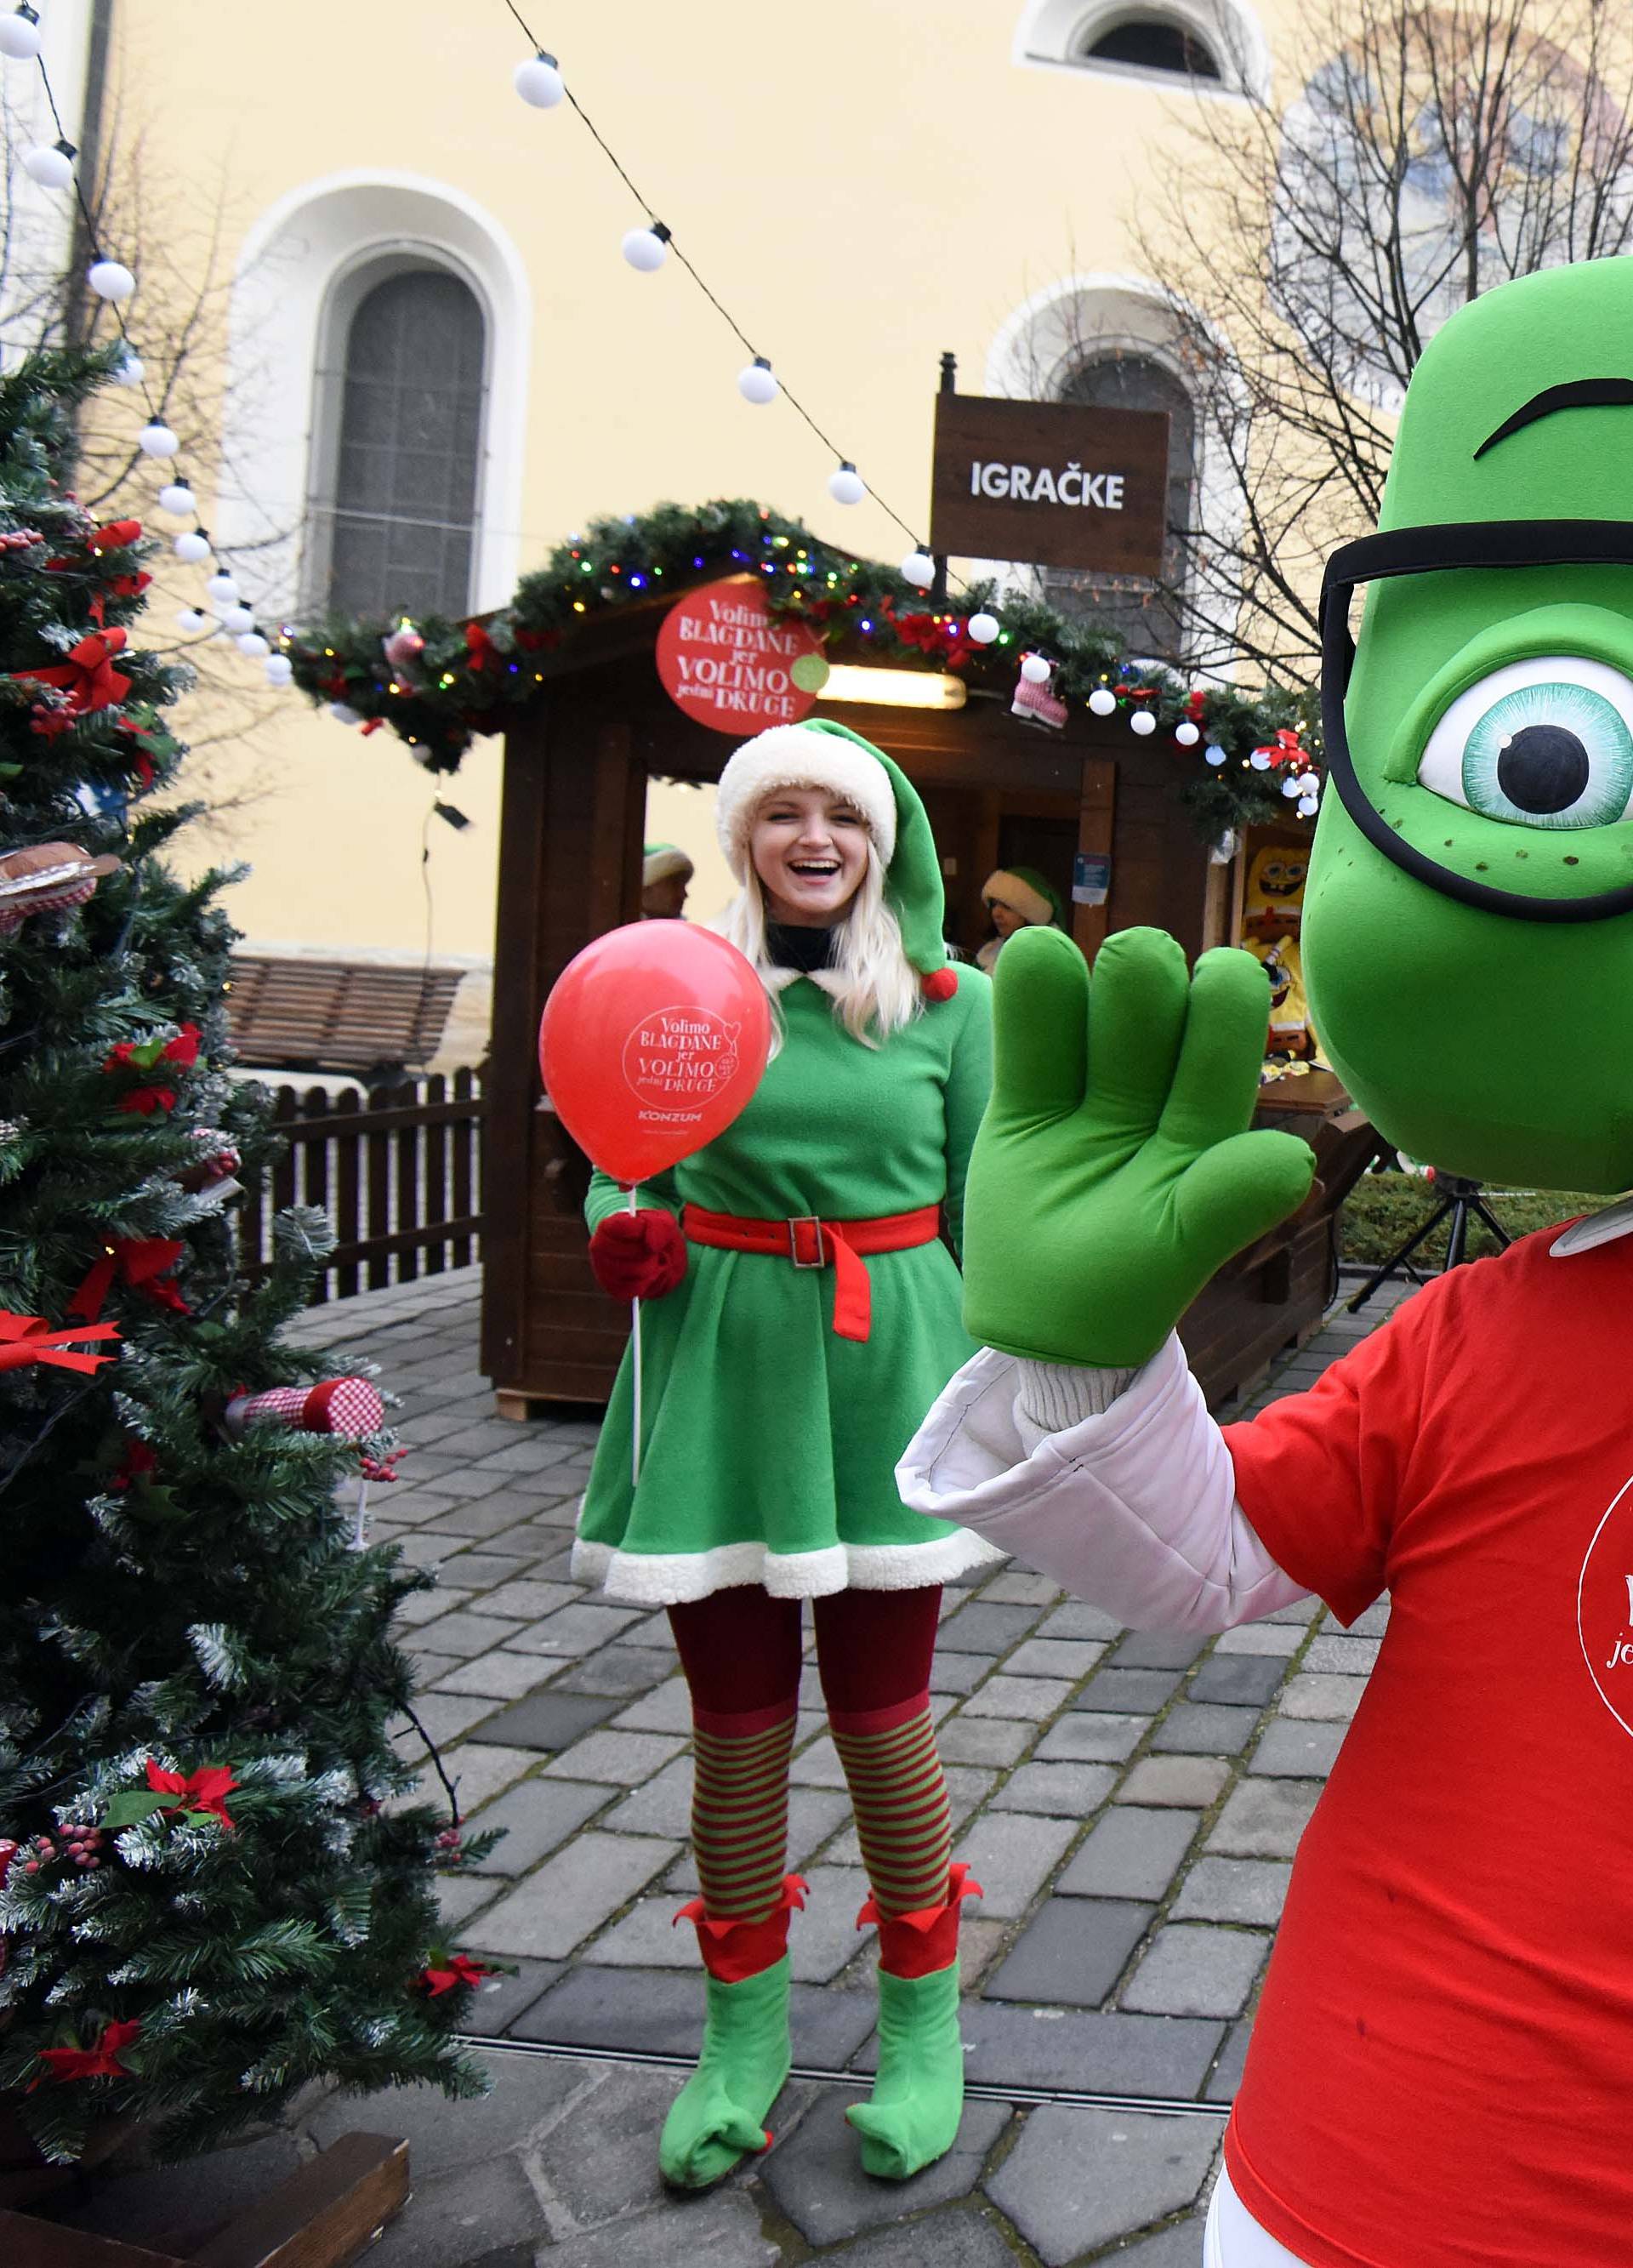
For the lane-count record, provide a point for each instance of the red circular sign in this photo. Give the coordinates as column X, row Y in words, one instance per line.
column 726, row 661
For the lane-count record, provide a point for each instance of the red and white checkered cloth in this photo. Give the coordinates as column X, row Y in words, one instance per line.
column 348, row 1407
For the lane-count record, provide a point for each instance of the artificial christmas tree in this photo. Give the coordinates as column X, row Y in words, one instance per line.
column 208, row 1898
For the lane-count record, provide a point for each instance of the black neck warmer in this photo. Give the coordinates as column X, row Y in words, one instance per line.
column 793, row 947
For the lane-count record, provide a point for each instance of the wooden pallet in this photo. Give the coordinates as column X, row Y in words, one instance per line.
column 327, row 2213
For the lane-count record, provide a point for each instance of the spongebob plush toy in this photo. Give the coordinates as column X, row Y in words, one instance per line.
column 1441, row 2068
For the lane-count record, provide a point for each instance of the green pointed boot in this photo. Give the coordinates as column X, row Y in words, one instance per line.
column 718, row 2117
column 912, row 2116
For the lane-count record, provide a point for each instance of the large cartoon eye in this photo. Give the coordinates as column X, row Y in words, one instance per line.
column 1542, row 743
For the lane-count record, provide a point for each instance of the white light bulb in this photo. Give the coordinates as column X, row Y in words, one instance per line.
column 538, row 82
column 19, row 36
column 1213, row 753
column 983, row 627
column 190, row 547
column 1034, row 669
column 236, row 619
column 646, row 249
column 51, row 164
column 130, row 373
column 757, row 382
column 1142, row 723
column 1187, row 734
column 847, row 485
column 110, row 279
column 1309, row 784
column 280, row 669
column 178, row 497
column 157, row 440
column 1259, row 759
column 221, row 586
column 919, row 569
column 192, row 619
column 253, row 646
column 343, row 713
column 1308, row 805
column 1290, row 787
column 1103, row 700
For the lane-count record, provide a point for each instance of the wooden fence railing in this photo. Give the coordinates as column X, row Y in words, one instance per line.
column 398, row 1170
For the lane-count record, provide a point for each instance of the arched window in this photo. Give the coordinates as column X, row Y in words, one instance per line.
column 406, row 403
column 1146, row 616
column 1152, row 42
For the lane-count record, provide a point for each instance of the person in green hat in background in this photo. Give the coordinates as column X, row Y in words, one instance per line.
column 665, row 878
column 804, row 1312
column 1017, row 897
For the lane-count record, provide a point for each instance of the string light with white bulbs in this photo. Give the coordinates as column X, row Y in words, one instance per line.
column 52, row 166
column 539, row 81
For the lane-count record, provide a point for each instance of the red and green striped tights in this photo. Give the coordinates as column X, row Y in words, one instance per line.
column 741, row 1653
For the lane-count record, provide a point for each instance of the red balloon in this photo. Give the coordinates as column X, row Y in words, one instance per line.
column 652, row 1040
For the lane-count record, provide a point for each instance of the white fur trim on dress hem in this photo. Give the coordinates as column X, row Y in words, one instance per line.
column 670, row 1579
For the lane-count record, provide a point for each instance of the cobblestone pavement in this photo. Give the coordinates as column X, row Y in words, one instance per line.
column 1130, row 1804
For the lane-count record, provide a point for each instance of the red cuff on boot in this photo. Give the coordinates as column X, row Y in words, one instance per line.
column 733, row 1950
column 920, row 1943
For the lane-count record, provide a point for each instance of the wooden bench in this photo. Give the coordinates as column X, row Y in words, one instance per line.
column 337, row 1015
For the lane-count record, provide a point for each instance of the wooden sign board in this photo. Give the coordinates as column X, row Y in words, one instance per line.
column 1051, row 483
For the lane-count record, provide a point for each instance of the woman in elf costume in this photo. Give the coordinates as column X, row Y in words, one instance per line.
column 805, row 1313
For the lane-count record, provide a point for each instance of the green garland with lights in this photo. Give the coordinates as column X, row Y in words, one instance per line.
column 464, row 677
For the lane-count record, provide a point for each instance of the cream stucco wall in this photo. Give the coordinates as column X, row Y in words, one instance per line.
column 864, row 188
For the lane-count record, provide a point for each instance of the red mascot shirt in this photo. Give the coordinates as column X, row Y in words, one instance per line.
column 1441, row 2070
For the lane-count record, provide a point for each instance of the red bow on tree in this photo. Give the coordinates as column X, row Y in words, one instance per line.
column 205, row 1790
column 28, row 1339
column 117, row 535
column 461, row 1969
column 144, row 1262
column 1194, row 701
column 478, row 647
column 88, row 676
column 100, row 2062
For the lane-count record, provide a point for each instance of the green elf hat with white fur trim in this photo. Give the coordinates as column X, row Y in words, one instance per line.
column 660, row 860
column 1025, row 892
column 819, row 754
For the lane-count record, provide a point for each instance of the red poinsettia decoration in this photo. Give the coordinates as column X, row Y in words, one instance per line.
column 139, row 1460
column 459, row 1969
column 205, row 1790
column 147, row 1055
column 99, row 2062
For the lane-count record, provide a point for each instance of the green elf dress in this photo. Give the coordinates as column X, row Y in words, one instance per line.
column 769, row 1439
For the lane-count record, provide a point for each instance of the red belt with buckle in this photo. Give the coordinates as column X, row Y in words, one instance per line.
column 808, row 1242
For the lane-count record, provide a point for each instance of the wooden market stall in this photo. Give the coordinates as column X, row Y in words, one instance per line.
column 999, row 791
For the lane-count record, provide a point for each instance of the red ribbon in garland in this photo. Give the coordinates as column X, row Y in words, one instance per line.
column 144, row 1262
column 100, row 2062
column 117, row 535
column 26, row 1340
column 88, row 675
column 478, row 647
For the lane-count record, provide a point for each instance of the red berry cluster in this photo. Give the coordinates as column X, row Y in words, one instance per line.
column 80, row 1846
column 21, row 539
column 450, row 1842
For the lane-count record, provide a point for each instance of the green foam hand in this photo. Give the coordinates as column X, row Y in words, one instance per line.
column 1114, row 1172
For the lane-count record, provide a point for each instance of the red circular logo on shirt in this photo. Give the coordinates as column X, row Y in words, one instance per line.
column 726, row 661
column 1605, row 1608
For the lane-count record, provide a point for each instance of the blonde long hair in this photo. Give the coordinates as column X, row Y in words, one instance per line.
column 876, row 990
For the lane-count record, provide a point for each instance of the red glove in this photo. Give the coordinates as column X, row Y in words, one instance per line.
column 638, row 1255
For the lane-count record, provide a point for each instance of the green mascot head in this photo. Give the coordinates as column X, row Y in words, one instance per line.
column 1469, row 920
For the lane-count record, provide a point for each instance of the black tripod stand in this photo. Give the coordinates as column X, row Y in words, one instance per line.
column 1458, row 1199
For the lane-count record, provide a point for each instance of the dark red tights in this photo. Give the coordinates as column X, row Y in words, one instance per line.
column 740, row 1650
